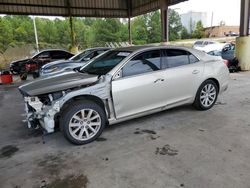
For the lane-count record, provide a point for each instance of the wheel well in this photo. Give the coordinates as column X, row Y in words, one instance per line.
column 216, row 81
column 84, row 97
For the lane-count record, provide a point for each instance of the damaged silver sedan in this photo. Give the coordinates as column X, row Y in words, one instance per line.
column 120, row 85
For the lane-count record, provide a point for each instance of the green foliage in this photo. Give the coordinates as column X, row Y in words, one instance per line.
column 154, row 25
column 175, row 25
column 5, row 37
column 139, row 30
column 90, row 32
column 199, row 31
column 185, row 34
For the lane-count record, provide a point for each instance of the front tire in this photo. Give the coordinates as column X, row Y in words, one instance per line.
column 83, row 122
column 206, row 95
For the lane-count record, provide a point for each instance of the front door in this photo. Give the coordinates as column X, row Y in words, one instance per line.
column 140, row 87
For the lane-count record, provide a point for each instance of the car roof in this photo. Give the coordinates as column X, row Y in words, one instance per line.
column 98, row 48
column 134, row 48
column 53, row 50
column 49, row 50
column 151, row 47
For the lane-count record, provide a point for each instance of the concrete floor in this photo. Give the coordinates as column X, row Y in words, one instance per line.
column 181, row 147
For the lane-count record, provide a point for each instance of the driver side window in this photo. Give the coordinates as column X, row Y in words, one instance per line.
column 143, row 63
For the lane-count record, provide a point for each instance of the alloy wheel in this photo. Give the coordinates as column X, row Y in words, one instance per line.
column 208, row 95
column 85, row 124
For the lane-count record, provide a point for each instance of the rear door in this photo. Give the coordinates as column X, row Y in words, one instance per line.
column 183, row 75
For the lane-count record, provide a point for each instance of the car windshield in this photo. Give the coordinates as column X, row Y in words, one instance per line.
column 105, row 63
column 80, row 55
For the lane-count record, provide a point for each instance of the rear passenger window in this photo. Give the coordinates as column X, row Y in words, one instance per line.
column 192, row 58
column 143, row 63
column 59, row 55
column 175, row 58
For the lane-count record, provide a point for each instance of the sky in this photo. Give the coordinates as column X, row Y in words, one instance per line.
column 223, row 10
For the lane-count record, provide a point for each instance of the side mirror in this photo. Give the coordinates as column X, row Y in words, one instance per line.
column 118, row 75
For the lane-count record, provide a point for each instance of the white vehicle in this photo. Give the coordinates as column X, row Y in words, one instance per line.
column 123, row 84
column 201, row 44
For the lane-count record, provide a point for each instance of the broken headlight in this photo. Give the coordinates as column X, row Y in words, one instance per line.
column 48, row 98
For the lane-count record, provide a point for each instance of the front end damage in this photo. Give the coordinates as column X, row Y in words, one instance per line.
column 41, row 115
column 45, row 97
column 43, row 108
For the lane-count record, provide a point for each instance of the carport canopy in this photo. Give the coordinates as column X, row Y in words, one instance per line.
column 90, row 8
column 83, row 8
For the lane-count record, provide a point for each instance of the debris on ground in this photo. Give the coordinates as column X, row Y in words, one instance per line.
column 166, row 150
column 8, row 151
column 43, row 184
column 151, row 134
column 51, row 164
column 80, row 181
column 154, row 137
column 105, row 159
column 100, row 139
column 220, row 103
column 245, row 102
column 144, row 131
column 202, row 130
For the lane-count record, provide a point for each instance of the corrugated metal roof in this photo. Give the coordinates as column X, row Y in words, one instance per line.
column 82, row 8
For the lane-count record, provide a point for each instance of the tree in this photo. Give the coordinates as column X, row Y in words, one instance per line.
column 175, row 25
column 184, row 33
column 154, row 27
column 6, row 37
column 107, row 30
column 199, row 31
column 139, row 30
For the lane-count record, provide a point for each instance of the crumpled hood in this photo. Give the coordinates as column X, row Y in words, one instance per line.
column 56, row 83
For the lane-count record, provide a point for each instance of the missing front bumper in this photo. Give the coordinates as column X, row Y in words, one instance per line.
column 40, row 115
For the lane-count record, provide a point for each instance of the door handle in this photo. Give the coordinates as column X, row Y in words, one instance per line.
column 159, row 80
column 196, row 71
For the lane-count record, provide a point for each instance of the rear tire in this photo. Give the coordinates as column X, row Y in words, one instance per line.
column 206, row 95
column 82, row 122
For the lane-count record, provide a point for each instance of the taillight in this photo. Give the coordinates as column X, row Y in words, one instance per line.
column 226, row 62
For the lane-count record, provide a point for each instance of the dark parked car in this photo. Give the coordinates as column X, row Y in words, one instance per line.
column 34, row 63
column 76, row 61
column 228, row 54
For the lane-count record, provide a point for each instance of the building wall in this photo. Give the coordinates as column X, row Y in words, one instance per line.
column 219, row 31
column 190, row 19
